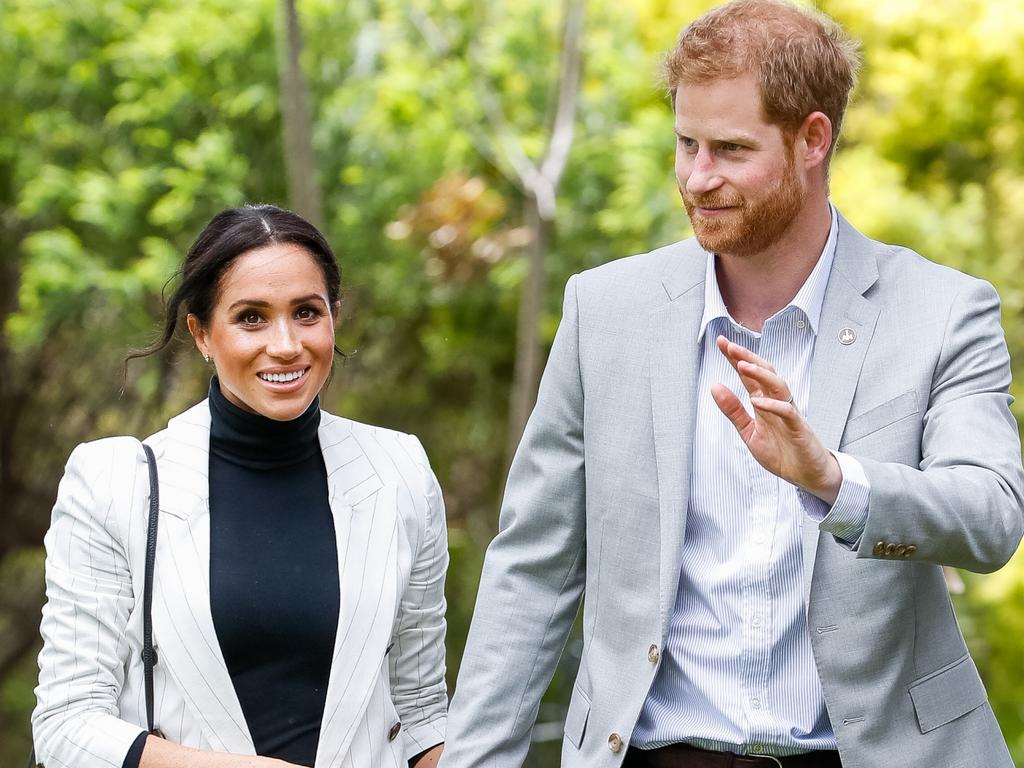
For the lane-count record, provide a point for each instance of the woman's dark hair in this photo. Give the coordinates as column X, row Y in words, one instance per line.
column 229, row 234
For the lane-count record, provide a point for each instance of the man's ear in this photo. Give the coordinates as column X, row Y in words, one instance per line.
column 816, row 135
column 198, row 334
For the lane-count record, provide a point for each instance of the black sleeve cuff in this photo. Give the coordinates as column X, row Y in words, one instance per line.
column 131, row 760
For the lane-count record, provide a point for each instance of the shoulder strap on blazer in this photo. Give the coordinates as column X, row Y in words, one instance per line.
column 148, row 652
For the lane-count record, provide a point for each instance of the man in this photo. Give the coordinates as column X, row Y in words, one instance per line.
column 753, row 453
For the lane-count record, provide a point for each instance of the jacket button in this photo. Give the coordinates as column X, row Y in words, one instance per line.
column 393, row 733
column 911, row 549
column 652, row 654
column 901, row 550
column 879, row 549
column 615, row 743
column 890, row 550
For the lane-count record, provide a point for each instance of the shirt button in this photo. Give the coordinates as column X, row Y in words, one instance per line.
column 615, row 743
column 652, row 654
column 755, row 703
column 801, row 324
column 756, row 621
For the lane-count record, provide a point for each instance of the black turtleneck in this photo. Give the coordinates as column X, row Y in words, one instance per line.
column 273, row 572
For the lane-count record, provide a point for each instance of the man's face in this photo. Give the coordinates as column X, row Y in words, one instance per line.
column 736, row 172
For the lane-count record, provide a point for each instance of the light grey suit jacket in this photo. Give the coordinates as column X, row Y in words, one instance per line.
column 388, row 663
column 596, row 504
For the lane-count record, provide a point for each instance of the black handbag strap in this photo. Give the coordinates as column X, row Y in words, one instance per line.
column 148, row 652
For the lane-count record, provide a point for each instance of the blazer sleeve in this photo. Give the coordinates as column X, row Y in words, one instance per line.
column 533, row 574
column 963, row 505
column 417, row 658
column 89, row 599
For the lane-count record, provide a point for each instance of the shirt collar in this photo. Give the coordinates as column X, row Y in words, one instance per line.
column 808, row 299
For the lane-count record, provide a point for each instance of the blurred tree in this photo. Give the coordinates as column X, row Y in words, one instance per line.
column 303, row 189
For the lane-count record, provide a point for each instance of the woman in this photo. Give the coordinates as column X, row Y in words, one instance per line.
column 298, row 594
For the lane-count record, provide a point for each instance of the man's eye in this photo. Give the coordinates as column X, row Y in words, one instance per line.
column 731, row 147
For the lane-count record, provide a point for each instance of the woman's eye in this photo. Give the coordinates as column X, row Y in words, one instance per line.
column 307, row 313
column 249, row 318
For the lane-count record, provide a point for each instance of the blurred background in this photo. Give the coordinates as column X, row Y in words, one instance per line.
column 464, row 157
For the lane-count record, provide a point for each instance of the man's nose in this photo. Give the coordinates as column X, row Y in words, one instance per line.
column 704, row 176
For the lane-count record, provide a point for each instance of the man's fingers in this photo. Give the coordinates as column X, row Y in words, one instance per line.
column 781, row 408
column 770, row 383
column 737, row 352
column 733, row 409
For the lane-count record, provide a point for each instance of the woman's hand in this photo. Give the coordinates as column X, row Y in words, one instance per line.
column 427, row 759
column 160, row 753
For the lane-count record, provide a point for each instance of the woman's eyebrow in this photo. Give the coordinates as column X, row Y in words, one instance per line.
column 262, row 303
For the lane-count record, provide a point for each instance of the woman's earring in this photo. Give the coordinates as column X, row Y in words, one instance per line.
column 206, row 358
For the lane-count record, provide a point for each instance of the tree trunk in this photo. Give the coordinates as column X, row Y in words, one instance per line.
column 527, row 370
column 296, row 123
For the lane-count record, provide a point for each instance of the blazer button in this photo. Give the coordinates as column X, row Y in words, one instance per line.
column 890, row 550
column 901, row 550
column 652, row 654
column 879, row 549
column 393, row 733
column 911, row 549
column 615, row 743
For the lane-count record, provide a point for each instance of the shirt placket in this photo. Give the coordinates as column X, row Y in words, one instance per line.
column 759, row 591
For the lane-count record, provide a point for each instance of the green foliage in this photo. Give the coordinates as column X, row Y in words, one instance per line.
column 127, row 124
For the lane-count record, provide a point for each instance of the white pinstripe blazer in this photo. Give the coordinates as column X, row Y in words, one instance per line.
column 388, row 664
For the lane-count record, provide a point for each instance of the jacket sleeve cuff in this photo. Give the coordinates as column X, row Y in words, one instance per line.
column 846, row 518
column 421, row 736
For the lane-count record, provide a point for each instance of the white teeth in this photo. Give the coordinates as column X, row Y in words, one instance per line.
column 281, row 377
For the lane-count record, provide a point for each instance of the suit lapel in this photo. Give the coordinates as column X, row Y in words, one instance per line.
column 674, row 364
column 366, row 528
column 183, row 626
column 845, row 329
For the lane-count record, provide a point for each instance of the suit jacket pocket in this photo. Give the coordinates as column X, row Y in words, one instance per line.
column 948, row 693
column 576, row 717
column 880, row 417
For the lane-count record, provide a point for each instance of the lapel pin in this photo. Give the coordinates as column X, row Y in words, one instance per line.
column 847, row 336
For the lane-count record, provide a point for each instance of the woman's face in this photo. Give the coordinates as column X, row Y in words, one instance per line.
column 271, row 331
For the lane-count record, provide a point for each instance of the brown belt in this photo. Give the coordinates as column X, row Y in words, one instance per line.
column 685, row 756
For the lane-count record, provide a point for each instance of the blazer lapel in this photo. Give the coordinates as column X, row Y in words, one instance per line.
column 845, row 330
column 184, row 634
column 674, row 364
column 366, row 527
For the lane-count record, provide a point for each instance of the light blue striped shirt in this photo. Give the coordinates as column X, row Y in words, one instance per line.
column 737, row 670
